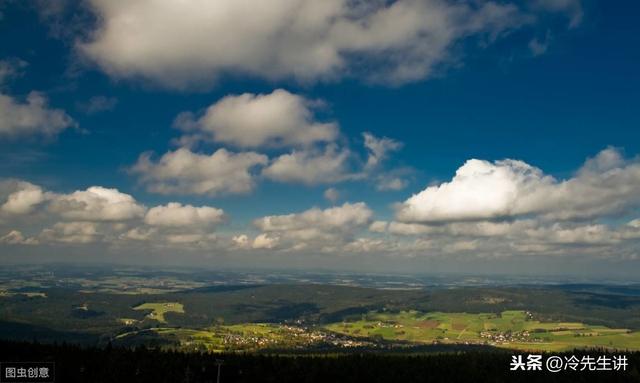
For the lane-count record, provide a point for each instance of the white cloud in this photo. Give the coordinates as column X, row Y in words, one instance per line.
column 264, row 241
column 315, row 227
column 349, row 214
column 479, row 190
column 367, row 245
column 311, row 166
column 497, row 239
column 185, row 172
column 378, row 226
column 72, row 232
column 331, row 195
column 606, row 185
column 179, row 44
column 253, row 120
column 15, row 237
column 241, row 241
column 140, row 233
column 32, row 117
column 96, row 204
column 191, row 239
column 102, row 215
column 410, row 228
column 460, row 246
column 591, row 234
column 378, row 148
column 463, row 229
column 386, row 183
column 175, row 214
column 24, row 199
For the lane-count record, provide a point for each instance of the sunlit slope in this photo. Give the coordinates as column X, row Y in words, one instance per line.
column 509, row 329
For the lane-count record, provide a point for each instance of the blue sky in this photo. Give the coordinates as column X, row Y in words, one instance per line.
column 549, row 83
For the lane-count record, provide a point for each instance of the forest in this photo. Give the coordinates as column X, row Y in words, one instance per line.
column 143, row 364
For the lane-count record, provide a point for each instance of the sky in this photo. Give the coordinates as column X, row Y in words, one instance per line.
column 387, row 136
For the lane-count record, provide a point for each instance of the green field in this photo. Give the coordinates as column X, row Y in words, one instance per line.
column 238, row 337
column 510, row 329
column 158, row 309
column 513, row 329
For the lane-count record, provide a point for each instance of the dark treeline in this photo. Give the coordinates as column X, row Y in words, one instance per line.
column 112, row 364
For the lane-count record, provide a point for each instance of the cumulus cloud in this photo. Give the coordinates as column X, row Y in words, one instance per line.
column 175, row 214
column 606, row 185
column 252, row 120
column 315, row 226
column 140, row 233
column 101, row 215
column 192, row 239
column 264, row 241
column 72, row 232
column 32, row 117
column 498, row 239
column 240, row 241
column 194, row 42
column 23, row 197
column 311, row 166
column 15, row 237
column 185, row 172
column 96, row 204
column 479, row 190
column 355, row 214
column 378, row 226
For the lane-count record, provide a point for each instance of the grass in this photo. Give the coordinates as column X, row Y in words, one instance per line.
column 510, row 329
column 237, row 337
column 159, row 309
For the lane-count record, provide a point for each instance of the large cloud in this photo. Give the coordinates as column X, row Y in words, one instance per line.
column 185, row 172
column 311, row 166
column 320, row 228
column 249, row 120
column 191, row 42
column 99, row 214
column 32, row 117
column 15, row 237
column 22, row 197
column 96, row 204
column 607, row 184
column 72, row 232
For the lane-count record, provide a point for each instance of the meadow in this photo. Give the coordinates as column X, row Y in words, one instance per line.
column 159, row 309
column 513, row 329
